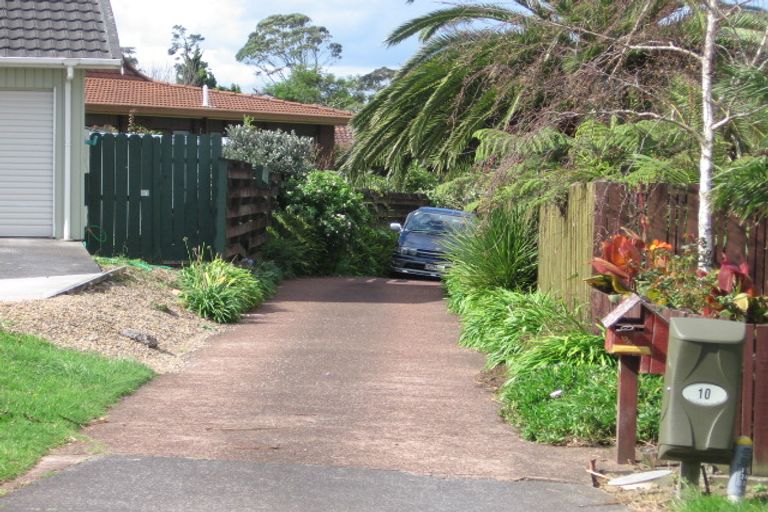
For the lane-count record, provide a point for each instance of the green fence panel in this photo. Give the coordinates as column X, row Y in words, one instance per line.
column 219, row 175
column 93, row 231
column 204, row 204
column 190, row 194
column 156, row 198
column 108, row 196
column 121, row 194
column 179, row 164
column 134, row 196
column 146, row 232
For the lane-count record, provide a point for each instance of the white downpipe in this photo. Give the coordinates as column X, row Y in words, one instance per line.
column 67, row 235
column 205, row 96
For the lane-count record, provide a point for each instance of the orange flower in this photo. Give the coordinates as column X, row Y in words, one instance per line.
column 657, row 244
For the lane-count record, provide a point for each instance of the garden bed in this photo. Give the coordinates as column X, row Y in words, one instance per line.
column 142, row 299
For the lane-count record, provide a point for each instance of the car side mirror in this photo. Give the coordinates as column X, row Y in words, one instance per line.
column 396, row 226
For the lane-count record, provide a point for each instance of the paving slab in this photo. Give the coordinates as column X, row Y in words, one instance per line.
column 40, row 257
column 34, row 288
column 35, row 268
column 149, row 484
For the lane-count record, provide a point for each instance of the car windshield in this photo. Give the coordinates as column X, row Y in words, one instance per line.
column 434, row 222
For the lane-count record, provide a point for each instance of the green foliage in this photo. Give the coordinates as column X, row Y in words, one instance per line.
column 671, row 280
column 578, row 347
column 318, row 87
column 281, row 152
column 190, row 67
column 712, row 503
column 459, row 193
column 48, row 393
column 585, row 410
column 327, row 201
column 294, row 244
column 743, row 188
column 325, row 228
column 221, row 291
column 500, row 250
column 282, row 42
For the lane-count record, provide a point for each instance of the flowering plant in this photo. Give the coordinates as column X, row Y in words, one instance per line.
column 654, row 271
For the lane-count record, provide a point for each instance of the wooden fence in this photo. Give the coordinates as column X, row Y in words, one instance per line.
column 571, row 234
column 393, row 206
column 158, row 197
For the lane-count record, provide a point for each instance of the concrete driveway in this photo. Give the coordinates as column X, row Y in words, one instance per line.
column 36, row 268
column 338, row 395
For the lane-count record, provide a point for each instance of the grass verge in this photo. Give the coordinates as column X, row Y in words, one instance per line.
column 703, row 503
column 48, row 393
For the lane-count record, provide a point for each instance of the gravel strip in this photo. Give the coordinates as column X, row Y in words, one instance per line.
column 93, row 319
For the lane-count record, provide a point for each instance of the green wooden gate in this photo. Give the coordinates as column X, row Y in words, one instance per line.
column 155, row 197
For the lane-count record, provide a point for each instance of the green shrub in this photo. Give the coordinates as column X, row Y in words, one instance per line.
column 497, row 251
column 281, row 152
column 585, row 411
column 369, row 252
column 294, row 245
column 325, row 228
column 503, row 323
column 218, row 290
column 577, row 348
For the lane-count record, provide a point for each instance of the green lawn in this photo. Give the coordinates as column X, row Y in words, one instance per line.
column 714, row 503
column 48, row 393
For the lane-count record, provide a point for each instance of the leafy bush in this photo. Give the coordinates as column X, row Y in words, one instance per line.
column 498, row 251
column 294, row 244
column 326, row 228
column 281, row 152
column 219, row 290
column 328, row 202
column 578, row 348
column 503, row 323
column 584, row 412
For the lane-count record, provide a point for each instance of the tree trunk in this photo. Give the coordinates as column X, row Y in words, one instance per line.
column 706, row 241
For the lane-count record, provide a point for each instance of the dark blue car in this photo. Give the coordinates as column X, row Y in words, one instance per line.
column 420, row 248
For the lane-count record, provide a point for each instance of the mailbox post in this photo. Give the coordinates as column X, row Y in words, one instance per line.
column 701, row 393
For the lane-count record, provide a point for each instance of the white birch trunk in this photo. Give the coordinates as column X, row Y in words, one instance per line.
column 706, row 241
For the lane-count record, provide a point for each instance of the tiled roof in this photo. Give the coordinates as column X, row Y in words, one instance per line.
column 344, row 137
column 116, row 95
column 58, row 29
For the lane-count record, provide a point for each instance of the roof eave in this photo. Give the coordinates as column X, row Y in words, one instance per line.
column 59, row 62
column 212, row 113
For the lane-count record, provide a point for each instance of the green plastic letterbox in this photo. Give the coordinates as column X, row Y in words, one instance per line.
column 702, row 384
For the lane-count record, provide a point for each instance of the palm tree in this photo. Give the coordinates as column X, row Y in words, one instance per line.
column 551, row 64
column 512, row 71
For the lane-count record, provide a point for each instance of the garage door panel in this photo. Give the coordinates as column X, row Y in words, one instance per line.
column 26, row 163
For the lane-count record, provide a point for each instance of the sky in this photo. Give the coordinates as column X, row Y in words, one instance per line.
column 359, row 25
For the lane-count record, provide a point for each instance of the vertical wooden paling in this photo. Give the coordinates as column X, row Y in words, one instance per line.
column 108, row 195
column 134, row 196
column 164, row 221
column 191, row 188
column 179, row 153
column 93, row 232
column 147, row 196
column 121, row 194
column 747, row 385
column 760, row 401
column 204, row 203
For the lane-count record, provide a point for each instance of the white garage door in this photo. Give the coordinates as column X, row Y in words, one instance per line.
column 26, row 163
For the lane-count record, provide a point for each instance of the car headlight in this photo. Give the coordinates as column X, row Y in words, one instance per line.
column 408, row 251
